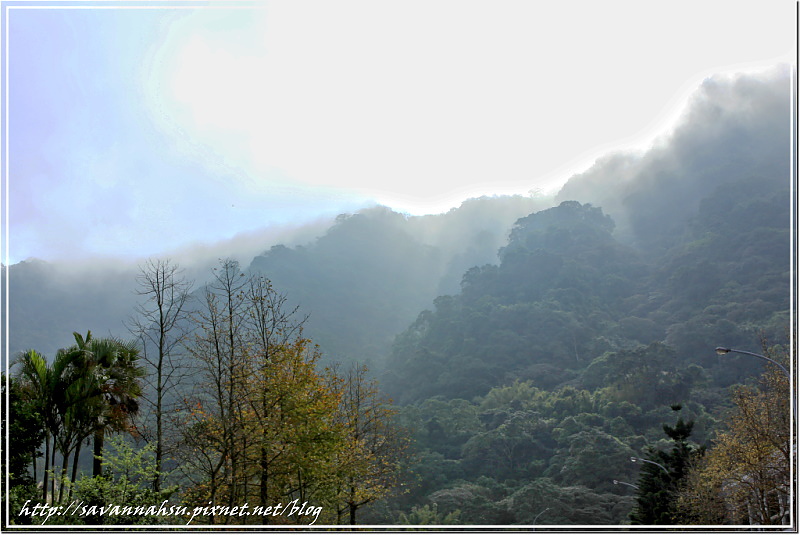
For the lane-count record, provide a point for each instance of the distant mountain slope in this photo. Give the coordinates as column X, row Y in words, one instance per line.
column 362, row 281
column 48, row 302
column 367, row 278
column 701, row 260
column 545, row 374
column 541, row 314
column 566, row 291
column 732, row 129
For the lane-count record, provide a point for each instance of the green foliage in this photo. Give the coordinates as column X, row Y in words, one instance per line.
column 662, row 475
column 429, row 515
column 555, row 290
column 645, row 377
column 25, row 426
column 475, row 502
column 573, row 348
column 512, row 449
column 590, row 457
column 543, row 502
column 22, row 419
column 528, row 388
column 130, row 470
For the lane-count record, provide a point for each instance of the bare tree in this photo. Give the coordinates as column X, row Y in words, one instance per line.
column 272, row 325
column 371, row 467
column 162, row 325
column 220, row 355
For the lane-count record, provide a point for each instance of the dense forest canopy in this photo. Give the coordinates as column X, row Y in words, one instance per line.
column 517, row 360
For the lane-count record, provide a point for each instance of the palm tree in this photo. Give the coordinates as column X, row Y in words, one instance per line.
column 77, row 408
column 91, row 388
column 112, row 363
column 47, row 385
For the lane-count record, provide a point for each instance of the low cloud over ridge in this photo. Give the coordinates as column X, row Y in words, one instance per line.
column 734, row 127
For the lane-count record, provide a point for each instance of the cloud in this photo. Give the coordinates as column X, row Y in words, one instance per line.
column 734, row 127
column 137, row 131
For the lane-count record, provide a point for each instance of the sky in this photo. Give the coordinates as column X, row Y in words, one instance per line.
column 135, row 129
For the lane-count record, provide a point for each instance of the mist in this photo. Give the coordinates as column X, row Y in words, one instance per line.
column 734, row 127
column 525, row 339
column 49, row 300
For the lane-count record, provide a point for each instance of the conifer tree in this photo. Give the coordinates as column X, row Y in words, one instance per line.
column 662, row 474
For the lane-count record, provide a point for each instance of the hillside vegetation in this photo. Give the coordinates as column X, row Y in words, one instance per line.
column 503, row 363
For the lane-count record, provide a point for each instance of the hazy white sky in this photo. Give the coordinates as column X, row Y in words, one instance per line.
column 135, row 131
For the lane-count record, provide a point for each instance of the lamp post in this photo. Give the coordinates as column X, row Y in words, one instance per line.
column 537, row 516
column 639, row 459
column 726, row 350
column 628, row 484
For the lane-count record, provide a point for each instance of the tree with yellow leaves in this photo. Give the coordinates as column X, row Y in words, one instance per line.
column 266, row 425
column 369, row 466
column 745, row 477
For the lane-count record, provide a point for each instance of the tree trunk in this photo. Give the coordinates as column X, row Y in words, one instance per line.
column 63, row 479
column 97, row 465
column 353, row 505
column 53, row 471
column 213, row 493
column 46, row 475
column 263, row 488
column 159, row 405
column 33, row 456
column 74, row 468
column 159, row 449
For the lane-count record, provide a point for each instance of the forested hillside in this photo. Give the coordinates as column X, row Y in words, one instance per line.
column 549, row 371
column 532, row 387
column 361, row 282
column 566, row 291
column 547, row 363
column 731, row 129
column 369, row 275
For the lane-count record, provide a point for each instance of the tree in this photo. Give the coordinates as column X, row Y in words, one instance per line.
column 304, row 436
column 92, row 388
column 284, row 453
column 374, row 448
column 220, row 356
column 46, row 387
column 110, row 369
column 261, row 417
column 265, row 423
column 161, row 326
column 82, row 407
column 542, row 501
column 271, row 327
column 662, row 474
column 745, row 476
column 125, row 489
column 23, row 421
column 428, row 515
column 645, row 376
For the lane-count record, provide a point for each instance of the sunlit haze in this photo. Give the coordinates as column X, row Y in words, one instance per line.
column 133, row 132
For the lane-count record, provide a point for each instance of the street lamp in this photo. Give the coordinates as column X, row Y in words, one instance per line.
column 726, row 350
column 623, row 483
column 639, row 459
column 537, row 516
